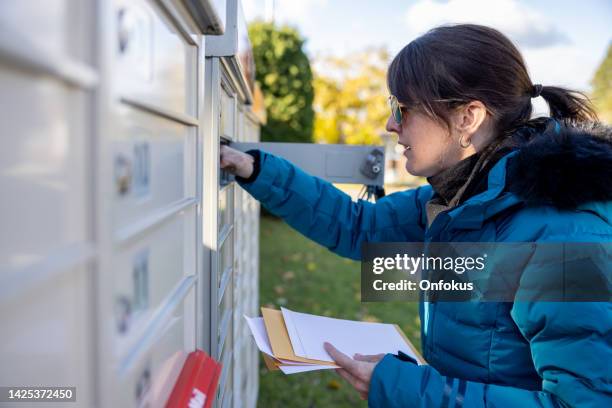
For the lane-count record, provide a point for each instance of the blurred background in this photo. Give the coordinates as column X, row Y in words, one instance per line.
column 322, row 67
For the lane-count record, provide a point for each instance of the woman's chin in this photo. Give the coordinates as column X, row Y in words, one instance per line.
column 411, row 173
column 412, row 170
column 418, row 171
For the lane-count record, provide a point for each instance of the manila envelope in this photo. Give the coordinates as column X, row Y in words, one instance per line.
column 279, row 338
column 271, row 364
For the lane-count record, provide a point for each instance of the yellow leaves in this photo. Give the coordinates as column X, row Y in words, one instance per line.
column 297, row 256
column 326, row 130
column 270, row 79
column 334, row 384
column 602, row 88
column 350, row 98
column 279, row 49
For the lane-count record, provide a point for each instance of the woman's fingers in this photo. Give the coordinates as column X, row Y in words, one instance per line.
column 340, row 358
column 357, row 372
column 227, row 156
column 235, row 161
column 371, row 358
column 359, row 369
column 351, row 379
column 226, row 161
column 348, row 377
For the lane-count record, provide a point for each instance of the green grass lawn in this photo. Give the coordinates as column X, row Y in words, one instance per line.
column 301, row 275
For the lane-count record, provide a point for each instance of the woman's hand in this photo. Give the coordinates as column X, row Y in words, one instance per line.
column 236, row 162
column 357, row 371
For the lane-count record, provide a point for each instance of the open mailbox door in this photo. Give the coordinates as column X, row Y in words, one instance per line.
column 336, row 163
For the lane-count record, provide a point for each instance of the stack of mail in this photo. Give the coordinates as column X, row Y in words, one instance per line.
column 293, row 342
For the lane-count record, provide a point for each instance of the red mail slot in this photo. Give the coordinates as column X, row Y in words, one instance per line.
column 197, row 383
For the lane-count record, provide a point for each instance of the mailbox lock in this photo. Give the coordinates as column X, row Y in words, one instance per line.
column 140, row 280
column 123, row 174
column 126, row 26
column 143, row 385
column 123, row 313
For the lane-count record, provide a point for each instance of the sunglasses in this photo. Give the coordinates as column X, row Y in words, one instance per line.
column 397, row 108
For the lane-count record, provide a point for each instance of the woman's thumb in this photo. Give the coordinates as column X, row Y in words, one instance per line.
column 373, row 358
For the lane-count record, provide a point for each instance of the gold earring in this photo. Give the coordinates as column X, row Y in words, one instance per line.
column 461, row 142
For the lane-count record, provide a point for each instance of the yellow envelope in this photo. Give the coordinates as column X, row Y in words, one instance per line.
column 270, row 362
column 279, row 338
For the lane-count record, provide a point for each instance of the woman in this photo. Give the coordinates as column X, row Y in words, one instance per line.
column 461, row 106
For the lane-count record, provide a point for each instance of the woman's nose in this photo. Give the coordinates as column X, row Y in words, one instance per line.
column 392, row 126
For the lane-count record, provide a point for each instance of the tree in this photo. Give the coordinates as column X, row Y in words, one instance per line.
column 350, row 98
column 283, row 72
column 602, row 87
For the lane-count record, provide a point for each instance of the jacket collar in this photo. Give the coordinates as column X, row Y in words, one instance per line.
column 568, row 167
column 473, row 212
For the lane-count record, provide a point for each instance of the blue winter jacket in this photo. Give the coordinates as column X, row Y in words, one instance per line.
column 482, row 354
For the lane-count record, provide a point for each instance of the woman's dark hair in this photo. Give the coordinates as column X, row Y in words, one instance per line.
column 451, row 65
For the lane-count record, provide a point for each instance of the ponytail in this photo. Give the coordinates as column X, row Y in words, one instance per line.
column 566, row 104
column 450, row 65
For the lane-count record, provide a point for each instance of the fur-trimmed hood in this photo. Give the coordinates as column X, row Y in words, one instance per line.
column 563, row 165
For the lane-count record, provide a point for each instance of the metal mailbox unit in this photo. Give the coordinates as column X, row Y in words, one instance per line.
column 121, row 251
column 233, row 242
column 147, row 198
column 47, row 248
column 124, row 247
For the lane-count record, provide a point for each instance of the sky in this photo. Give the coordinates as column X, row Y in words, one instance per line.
column 563, row 42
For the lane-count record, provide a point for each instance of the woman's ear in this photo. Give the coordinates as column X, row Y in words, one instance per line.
column 470, row 117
